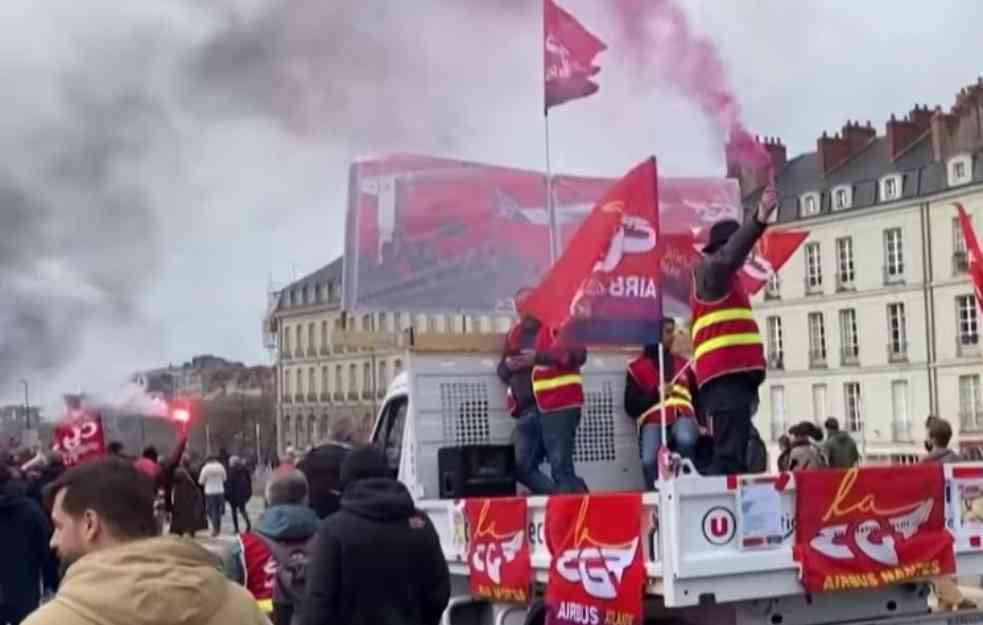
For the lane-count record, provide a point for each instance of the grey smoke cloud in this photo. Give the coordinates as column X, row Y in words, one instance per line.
column 159, row 159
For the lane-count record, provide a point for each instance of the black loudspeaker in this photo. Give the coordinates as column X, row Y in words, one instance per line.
column 476, row 471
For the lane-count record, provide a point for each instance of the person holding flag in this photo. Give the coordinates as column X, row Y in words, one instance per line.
column 545, row 396
column 643, row 389
column 728, row 353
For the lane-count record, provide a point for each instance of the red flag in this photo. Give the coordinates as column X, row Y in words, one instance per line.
column 768, row 256
column 80, row 439
column 569, row 51
column 975, row 255
column 632, row 195
column 498, row 550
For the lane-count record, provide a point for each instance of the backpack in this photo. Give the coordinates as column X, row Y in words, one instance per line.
column 291, row 573
column 757, row 453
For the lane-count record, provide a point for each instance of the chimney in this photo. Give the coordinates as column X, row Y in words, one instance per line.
column 921, row 117
column 831, row 152
column 900, row 134
column 749, row 178
column 944, row 126
column 777, row 152
column 857, row 136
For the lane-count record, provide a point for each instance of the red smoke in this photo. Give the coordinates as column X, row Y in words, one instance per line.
column 659, row 35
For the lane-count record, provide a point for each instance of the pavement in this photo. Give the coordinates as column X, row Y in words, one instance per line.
column 218, row 544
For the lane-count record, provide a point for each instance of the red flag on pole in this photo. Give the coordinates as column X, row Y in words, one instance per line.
column 569, row 51
column 768, row 256
column 633, row 194
column 975, row 255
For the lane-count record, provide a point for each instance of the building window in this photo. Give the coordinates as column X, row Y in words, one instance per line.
column 959, row 169
column 318, row 295
column 383, row 377
column 286, row 339
column 844, row 264
column 960, row 259
column 970, row 406
column 305, row 293
column 397, row 367
column 810, row 204
column 849, row 339
column 777, row 411
column 841, row 198
column 891, row 187
column 325, row 382
column 853, row 407
column 330, row 291
column 773, row 288
column 893, row 256
column 776, row 350
column 420, row 323
column 814, row 269
column 339, row 384
column 324, row 337
column 300, row 382
column 968, row 324
column 432, row 323
column 818, row 403
column 901, row 425
column 817, row 340
column 353, row 381
column 293, row 297
column 300, row 338
column 367, row 323
column 897, row 347
column 366, row 379
column 288, row 383
column 382, row 322
column 311, row 382
column 310, row 338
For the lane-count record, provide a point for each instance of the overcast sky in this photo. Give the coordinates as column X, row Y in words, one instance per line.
column 161, row 161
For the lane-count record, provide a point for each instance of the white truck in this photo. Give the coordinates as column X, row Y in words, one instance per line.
column 701, row 565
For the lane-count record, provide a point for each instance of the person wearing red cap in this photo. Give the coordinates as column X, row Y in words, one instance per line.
column 728, row 354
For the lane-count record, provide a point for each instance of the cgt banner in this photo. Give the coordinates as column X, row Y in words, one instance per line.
column 597, row 574
column 498, row 549
column 80, row 439
column 865, row 528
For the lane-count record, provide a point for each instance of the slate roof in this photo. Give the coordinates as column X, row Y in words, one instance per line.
column 329, row 274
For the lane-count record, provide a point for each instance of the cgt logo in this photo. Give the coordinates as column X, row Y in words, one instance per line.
column 489, row 557
column 719, row 526
column 598, row 569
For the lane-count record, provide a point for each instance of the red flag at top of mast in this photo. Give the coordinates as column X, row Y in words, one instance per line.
column 568, row 56
column 975, row 254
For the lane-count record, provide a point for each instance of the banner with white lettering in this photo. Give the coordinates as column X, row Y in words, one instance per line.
column 597, row 574
column 80, row 439
column 498, row 549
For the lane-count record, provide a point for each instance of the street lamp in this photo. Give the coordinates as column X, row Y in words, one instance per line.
column 27, row 405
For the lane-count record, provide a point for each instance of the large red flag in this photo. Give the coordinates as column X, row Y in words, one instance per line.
column 975, row 255
column 569, row 51
column 635, row 194
column 768, row 256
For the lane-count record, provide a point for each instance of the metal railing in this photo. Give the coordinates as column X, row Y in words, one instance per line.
column 817, row 358
column 850, row 356
column 897, row 351
column 814, row 287
column 776, row 360
column 843, row 284
column 968, row 345
column 960, row 262
column 893, row 275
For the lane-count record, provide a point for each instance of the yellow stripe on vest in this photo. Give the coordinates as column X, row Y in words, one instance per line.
column 563, row 380
column 727, row 340
column 719, row 316
column 266, row 605
column 672, row 402
column 682, row 390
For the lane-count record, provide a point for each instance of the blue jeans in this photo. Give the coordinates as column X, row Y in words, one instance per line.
column 550, row 436
column 683, row 435
column 215, row 508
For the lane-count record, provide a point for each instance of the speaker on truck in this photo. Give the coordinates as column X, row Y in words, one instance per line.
column 476, row 471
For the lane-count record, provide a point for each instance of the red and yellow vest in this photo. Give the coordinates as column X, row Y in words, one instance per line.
column 554, row 387
column 260, row 569
column 679, row 397
column 726, row 339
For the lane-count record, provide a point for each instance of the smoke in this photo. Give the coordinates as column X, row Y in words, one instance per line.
column 154, row 152
column 660, row 39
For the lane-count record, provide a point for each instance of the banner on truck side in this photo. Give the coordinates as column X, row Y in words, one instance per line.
column 597, row 574
column 80, row 439
column 498, row 549
column 865, row 528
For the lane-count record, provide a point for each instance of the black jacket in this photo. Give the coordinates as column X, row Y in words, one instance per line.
column 378, row 561
column 24, row 535
column 322, row 467
column 239, row 488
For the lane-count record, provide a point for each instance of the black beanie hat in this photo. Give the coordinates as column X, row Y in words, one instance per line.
column 363, row 463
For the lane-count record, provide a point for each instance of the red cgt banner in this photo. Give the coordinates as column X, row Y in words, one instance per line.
column 498, row 551
column 597, row 574
column 80, row 439
column 865, row 528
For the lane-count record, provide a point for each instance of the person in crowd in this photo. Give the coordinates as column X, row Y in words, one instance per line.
column 939, row 433
column 212, row 479
column 289, row 460
column 784, row 451
column 545, row 396
column 24, row 534
column 282, row 535
column 115, row 448
column 840, row 448
column 147, row 462
column 118, row 571
column 377, row 540
column 322, row 466
column 804, row 452
column 642, row 402
column 728, row 354
column 187, row 503
column 238, row 491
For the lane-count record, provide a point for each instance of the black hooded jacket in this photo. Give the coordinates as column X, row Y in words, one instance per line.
column 24, row 535
column 378, row 561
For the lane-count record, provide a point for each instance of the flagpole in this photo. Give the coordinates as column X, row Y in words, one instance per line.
column 550, row 207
